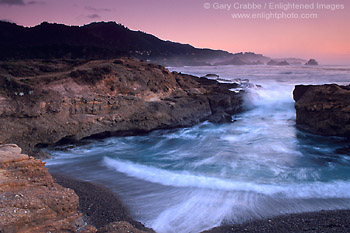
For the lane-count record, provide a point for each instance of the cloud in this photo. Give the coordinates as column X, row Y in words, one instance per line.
column 94, row 16
column 89, row 8
column 12, row 2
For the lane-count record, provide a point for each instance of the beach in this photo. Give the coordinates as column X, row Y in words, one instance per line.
column 104, row 207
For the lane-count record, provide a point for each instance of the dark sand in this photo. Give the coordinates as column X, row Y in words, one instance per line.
column 323, row 221
column 100, row 206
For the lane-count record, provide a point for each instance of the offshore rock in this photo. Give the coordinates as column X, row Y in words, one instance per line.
column 103, row 98
column 312, row 62
column 30, row 201
column 323, row 109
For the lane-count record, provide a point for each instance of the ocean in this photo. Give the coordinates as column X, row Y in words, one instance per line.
column 196, row 178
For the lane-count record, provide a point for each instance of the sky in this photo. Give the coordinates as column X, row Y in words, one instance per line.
column 306, row 29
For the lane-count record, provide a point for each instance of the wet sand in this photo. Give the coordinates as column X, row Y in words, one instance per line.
column 100, row 207
column 323, row 221
column 98, row 204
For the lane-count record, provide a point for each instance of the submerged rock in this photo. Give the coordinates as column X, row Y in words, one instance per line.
column 323, row 109
column 211, row 76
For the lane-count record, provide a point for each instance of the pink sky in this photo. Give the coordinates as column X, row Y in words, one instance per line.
column 326, row 38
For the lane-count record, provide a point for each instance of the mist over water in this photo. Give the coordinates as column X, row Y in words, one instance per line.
column 193, row 179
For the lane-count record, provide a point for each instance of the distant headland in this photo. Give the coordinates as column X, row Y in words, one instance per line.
column 107, row 40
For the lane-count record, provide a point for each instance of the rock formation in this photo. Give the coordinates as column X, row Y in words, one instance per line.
column 31, row 201
column 233, row 61
column 103, row 98
column 278, row 63
column 323, row 109
column 312, row 62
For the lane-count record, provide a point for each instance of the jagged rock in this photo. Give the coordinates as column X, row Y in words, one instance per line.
column 323, row 109
column 312, row 62
column 31, row 201
column 106, row 98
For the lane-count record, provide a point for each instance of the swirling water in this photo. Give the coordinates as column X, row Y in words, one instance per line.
column 192, row 179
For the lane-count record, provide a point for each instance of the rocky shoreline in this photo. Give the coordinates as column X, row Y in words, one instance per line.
column 65, row 100
column 322, row 221
column 33, row 201
column 47, row 102
column 123, row 97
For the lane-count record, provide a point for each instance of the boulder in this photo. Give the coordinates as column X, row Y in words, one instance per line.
column 312, row 62
column 323, row 109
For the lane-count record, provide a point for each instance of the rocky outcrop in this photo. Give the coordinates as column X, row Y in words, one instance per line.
column 278, row 63
column 323, row 109
column 103, row 98
column 312, row 62
column 31, row 201
column 233, row 61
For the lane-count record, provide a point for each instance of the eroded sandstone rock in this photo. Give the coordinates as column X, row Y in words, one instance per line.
column 30, row 201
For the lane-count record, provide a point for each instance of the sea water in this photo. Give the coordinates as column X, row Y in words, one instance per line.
column 196, row 178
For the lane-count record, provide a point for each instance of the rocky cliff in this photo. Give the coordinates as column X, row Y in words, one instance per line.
column 323, row 109
column 44, row 102
column 31, row 201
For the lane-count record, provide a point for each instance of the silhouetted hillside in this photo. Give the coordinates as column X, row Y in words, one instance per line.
column 101, row 40
column 94, row 41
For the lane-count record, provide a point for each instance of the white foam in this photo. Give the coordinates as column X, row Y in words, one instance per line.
column 335, row 189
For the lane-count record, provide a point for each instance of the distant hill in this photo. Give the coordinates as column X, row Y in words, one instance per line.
column 247, row 58
column 104, row 40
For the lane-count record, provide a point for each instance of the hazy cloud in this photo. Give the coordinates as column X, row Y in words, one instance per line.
column 94, row 16
column 12, row 2
column 89, row 8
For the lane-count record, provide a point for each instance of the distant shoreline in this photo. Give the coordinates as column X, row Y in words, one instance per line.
column 321, row 221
